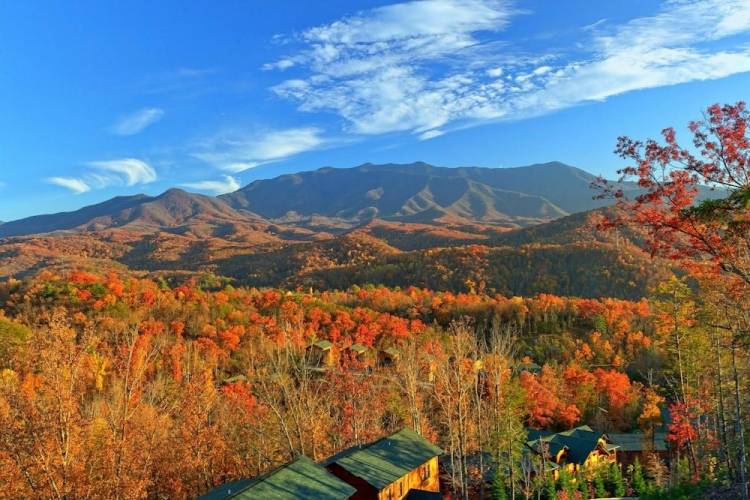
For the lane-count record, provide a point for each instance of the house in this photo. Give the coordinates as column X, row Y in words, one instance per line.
column 573, row 449
column 358, row 352
column 402, row 465
column 321, row 354
column 388, row 357
column 635, row 445
column 301, row 478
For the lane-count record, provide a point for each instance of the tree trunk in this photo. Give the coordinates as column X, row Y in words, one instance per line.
column 741, row 457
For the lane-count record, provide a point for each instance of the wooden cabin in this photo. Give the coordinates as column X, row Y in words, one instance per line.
column 402, row 465
column 637, row 445
column 359, row 352
column 321, row 353
column 301, row 478
column 388, row 357
column 574, row 449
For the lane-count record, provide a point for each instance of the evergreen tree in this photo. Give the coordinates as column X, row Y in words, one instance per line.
column 550, row 491
column 599, row 487
column 583, row 486
column 498, row 487
column 618, row 484
column 637, row 480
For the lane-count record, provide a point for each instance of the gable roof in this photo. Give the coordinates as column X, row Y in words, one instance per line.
column 301, row 478
column 358, row 348
column 579, row 442
column 323, row 345
column 638, row 441
column 386, row 460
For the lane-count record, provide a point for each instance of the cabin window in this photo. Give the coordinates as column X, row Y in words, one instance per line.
column 425, row 472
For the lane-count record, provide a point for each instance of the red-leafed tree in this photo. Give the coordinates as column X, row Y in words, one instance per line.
column 708, row 237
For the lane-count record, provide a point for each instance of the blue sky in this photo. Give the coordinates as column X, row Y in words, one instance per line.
column 99, row 99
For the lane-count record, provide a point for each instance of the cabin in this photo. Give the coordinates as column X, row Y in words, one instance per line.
column 388, row 357
column 321, row 354
column 637, row 445
column 301, row 478
column 575, row 449
column 358, row 352
column 402, row 465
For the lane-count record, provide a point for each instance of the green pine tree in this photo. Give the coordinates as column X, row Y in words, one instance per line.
column 583, row 486
column 549, row 489
column 637, row 480
column 599, row 487
column 498, row 487
column 618, row 484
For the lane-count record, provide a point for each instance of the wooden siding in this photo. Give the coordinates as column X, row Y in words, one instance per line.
column 424, row 477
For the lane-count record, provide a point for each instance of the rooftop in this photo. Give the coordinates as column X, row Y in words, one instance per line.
column 638, row 441
column 301, row 478
column 388, row 459
column 580, row 442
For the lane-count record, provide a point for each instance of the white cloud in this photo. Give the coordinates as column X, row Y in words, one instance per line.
column 227, row 185
column 436, row 64
column 495, row 72
column 127, row 170
column 281, row 64
column 136, row 122
column 78, row 186
column 102, row 174
column 237, row 151
column 430, row 134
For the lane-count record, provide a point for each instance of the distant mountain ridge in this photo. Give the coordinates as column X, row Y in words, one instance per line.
column 420, row 192
column 174, row 211
column 338, row 199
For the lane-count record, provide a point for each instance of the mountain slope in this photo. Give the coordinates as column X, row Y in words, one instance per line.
column 422, row 193
column 173, row 211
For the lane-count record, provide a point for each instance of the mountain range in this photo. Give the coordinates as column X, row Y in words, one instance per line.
column 342, row 198
column 512, row 230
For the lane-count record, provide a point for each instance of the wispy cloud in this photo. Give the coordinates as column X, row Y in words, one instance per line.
column 237, row 151
column 102, row 174
column 127, row 170
column 227, row 185
column 427, row 66
column 136, row 122
column 76, row 185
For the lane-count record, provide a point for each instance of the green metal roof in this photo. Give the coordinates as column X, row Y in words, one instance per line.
column 358, row 348
column 236, row 378
column 388, row 459
column 392, row 351
column 301, row 478
column 323, row 344
column 638, row 441
column 580, row 442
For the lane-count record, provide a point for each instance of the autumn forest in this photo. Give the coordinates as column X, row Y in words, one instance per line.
column 124, row 381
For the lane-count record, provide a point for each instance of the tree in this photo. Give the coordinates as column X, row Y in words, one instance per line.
column 599, row 488
column 709, row 238
column 637, row 481
column 498, row 486
column 615, row 478
column 583, row 486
